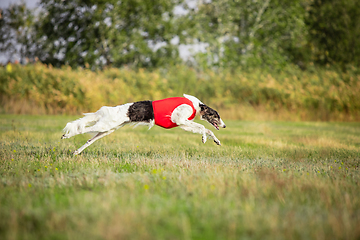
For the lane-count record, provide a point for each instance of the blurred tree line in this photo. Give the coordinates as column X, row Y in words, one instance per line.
column 140, row 33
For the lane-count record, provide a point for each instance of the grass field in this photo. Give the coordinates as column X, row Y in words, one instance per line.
column 268, row 180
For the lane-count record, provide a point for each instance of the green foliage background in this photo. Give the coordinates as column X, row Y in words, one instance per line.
column 266, row 33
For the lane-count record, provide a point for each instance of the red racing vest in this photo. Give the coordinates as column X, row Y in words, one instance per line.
column 165, row 107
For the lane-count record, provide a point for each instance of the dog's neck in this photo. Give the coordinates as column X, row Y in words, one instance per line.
column 196, row 102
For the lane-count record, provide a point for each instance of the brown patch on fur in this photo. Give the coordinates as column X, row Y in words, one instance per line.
column 210, row 115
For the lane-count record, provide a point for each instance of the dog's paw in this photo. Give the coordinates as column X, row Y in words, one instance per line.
column 204, row 138
column 217, row 142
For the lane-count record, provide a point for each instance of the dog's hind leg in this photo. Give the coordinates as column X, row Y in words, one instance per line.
column 92, row 140
column 96, row 137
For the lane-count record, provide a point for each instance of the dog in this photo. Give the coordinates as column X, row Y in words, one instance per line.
column 166, row 113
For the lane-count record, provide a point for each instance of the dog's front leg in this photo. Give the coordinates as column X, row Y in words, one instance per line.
column 180, row 116
column 198, row 128
column 212, row 135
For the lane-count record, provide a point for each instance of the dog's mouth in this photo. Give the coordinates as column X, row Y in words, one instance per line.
column 215, row 125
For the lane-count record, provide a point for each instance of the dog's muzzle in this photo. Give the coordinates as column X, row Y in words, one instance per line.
column 222, row 124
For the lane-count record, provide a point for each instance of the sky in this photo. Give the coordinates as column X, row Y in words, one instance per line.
column 29, row 3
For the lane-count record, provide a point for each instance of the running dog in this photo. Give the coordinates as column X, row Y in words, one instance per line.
column 166, row 113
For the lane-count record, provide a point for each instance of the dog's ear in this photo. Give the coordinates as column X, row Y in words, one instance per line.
column 202, row 110
column 207, row 113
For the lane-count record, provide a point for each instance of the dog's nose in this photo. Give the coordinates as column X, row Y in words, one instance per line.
column 224, row 126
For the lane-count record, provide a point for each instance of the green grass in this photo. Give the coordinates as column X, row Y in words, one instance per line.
column 268, row 180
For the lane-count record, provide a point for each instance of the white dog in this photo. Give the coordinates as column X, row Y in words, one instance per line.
column 166, row 113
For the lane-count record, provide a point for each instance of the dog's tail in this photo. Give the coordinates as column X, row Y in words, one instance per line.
column 78, row 126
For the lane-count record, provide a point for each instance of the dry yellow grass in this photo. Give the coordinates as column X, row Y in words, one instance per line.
column 321, row 94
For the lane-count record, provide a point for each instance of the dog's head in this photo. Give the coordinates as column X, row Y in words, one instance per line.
column 212, row 116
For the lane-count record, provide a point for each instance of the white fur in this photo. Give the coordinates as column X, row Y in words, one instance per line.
column 149, row 124
column 108, row 119
column 180, row 116
column 222, row 124
column 196, row 102
column 105, row 119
